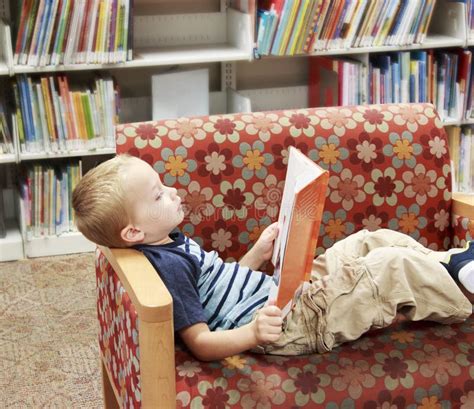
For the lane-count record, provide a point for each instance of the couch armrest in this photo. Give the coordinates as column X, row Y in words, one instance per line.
column 154, row 307
column 147, row 291
column 463, row 205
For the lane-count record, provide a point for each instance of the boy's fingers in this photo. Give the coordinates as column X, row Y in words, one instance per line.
column 273, row 311
column 271, row 302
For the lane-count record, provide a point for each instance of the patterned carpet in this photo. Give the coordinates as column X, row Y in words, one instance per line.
column 48, row 334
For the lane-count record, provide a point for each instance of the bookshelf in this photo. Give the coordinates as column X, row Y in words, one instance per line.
column 189, row 34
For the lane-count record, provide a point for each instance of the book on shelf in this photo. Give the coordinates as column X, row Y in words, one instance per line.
column 51, row 116
column 461, row 147
column 46, row 192
column 336, row 81
column 287, row 27
column 52, row 32
column 443, row 78
column 6, row 142
column 299, row 220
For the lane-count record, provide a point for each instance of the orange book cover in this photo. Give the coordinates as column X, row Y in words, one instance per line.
column 299, row 220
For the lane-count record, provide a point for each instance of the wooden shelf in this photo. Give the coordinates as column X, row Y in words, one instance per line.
column 67, row 243
column 8, row 158
column 11, row 246
column 65, row 154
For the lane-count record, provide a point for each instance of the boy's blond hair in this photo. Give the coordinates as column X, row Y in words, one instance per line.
column 100, row 203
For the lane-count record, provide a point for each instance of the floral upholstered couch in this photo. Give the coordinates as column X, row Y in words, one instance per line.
column 389, row 167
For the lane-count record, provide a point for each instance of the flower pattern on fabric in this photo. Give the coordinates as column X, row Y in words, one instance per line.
column 435, row 146
column 334, row 227
column 307, row 384
column 385, row 400
column 197, row 202
column 437, row 363
column 215, row 163
column 329, row 154
column 373, row 118
column 395, row 369
column 402, row 149
column 224, row 127
column 269, row 194
column 408, row 221
column 260, row 391
column 366, row 151
column 420, row 184
column 221, row 235
column 143, row 135
column 347, row 189
column 410, row 115
column 262, row 124
column 281, row 151
column 253, row 160
column 384, row 187
column 175, row 166
column 351, row 376
column 234, row 201
column 337, row 120
column 186, row 130
column 299, row 122
column 371, row 219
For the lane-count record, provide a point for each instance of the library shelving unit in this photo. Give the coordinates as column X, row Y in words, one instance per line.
column 188, row 34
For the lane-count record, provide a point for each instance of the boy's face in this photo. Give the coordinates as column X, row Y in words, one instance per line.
column 155, row 209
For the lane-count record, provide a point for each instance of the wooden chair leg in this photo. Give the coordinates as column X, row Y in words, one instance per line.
column 110, row 401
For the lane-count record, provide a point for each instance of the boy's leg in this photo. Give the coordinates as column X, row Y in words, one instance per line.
column 361, row 243
column 366, row 292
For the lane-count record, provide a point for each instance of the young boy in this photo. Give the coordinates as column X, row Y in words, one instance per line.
column 220, row 309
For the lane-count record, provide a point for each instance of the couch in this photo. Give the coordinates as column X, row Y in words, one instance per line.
column 389, row 167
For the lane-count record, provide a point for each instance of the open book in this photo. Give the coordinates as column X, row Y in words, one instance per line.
column 298, row 223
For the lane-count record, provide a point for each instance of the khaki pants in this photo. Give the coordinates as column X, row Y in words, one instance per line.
column 361, row 283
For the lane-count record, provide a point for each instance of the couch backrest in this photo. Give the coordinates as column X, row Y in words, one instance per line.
column 389, row 167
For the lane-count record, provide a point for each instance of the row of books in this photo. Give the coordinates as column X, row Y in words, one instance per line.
column 336, row 81
column 46, row 192
column 461, row 146
column 6, row 142
column 442, row 78
column 52, row 117
column 73, row 31
column 287, row 27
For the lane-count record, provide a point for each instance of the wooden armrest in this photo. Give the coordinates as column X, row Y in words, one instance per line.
column 147, row 291
column 463, row 205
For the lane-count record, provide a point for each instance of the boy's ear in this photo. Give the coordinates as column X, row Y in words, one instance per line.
column 132, row 235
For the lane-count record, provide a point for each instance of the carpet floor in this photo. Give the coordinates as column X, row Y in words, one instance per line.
column 48, row 334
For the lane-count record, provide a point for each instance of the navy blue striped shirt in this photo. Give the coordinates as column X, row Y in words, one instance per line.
column 204, row 288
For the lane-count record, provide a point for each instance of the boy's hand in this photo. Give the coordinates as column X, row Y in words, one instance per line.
column 267, row 325
column 264, row 245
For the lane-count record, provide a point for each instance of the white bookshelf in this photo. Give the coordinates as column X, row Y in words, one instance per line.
column 67, row 243
column 8, row 158
column 11, row 246
column 28, row 156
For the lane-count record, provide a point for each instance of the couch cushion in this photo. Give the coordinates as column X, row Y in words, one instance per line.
column 410, row 365
column 389, row 167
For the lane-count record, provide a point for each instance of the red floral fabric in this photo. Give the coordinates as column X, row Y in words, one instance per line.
column 118, row 333
column 389, row 167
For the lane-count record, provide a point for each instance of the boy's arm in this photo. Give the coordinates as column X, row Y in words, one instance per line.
column 262, row 250
column 209, row 345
